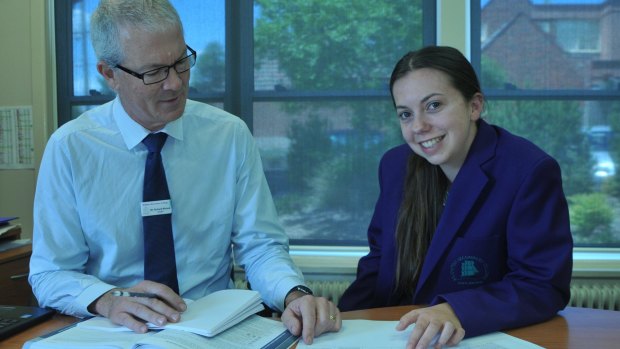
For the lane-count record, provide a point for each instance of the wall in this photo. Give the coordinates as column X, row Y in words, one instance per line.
column 453, row 26
column 25, row 79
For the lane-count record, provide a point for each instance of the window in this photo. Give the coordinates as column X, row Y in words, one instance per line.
column 309, row 77
column 550, row 72
column 574, row 35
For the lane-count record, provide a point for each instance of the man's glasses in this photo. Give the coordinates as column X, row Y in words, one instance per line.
column 160, row 74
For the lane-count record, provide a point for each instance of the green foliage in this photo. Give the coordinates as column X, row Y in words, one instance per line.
column 337, row 170
column 208, row 74
column 591, row 218
column 492, row 75
column 310, row 145
column 337, row 44
column 613, row 114
column 555, row 126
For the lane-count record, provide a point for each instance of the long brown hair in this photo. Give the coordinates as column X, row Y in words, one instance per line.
column 426, row 186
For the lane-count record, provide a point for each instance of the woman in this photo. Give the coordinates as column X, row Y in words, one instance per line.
column 471, row 220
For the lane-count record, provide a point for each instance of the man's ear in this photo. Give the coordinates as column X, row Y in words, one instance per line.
column 108, row 74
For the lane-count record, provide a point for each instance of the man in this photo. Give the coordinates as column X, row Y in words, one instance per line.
column 91, row 209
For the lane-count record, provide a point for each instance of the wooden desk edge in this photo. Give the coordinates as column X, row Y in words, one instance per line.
column 571, row 328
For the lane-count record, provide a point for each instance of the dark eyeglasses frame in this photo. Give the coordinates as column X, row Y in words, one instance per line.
column 173, row 65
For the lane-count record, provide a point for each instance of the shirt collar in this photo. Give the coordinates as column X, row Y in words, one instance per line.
column 133, row 133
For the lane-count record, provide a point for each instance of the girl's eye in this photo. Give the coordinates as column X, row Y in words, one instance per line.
column 433, row 105
column 404, row 115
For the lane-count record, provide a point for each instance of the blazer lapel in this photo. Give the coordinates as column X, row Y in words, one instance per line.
column 467, row 187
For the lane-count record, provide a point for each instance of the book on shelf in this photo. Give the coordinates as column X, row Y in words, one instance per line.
column 8, row 228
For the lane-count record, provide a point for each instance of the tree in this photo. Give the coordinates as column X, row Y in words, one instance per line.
column 591, row 218
column 209, row 71
column 337, row 45
column 555, row 126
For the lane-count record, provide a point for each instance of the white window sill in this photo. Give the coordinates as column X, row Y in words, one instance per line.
column 596, row 262
column 342, row 261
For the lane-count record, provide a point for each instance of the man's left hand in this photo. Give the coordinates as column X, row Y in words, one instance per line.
column 311, row 316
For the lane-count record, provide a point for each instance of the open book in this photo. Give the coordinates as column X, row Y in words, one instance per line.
column 254, row 332
column 206, row 316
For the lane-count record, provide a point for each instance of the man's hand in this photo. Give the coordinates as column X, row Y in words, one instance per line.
column 310, row 316
column 429, row 322
column 133, row 312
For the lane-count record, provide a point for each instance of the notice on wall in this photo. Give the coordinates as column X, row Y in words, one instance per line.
column 16, row 138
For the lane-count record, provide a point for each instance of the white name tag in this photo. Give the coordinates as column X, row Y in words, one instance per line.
column 155, row 208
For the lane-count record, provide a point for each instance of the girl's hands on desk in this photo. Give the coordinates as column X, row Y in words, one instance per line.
column 429, row 322
column 132, row 312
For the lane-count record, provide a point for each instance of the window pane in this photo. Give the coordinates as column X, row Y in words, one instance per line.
column 588, row 158
column 321, row 157
column 550, row 44
column 203, row 22
column 332, row 45
column 559, row 45
column 85, row 76
column 321, row 161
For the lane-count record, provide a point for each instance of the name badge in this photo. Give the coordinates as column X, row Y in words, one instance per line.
column 156, row 208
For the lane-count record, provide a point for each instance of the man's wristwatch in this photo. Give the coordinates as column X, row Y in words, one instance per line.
column 300, row 288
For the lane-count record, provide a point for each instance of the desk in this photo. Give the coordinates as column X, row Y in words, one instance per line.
column 574, row 328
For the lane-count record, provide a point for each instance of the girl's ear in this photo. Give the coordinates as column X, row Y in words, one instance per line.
column 477, row 106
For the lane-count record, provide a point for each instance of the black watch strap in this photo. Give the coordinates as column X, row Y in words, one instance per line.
column 300, row 288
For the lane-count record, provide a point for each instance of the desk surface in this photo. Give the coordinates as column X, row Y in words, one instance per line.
column 573, row 328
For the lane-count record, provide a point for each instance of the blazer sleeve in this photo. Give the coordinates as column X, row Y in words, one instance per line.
column 539, row 250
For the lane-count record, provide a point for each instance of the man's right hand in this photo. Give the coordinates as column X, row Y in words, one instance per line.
column 134, row 312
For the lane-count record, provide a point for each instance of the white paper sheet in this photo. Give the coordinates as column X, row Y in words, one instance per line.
column 369, row 334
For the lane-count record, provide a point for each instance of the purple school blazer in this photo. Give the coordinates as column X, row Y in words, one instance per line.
column 502, row 252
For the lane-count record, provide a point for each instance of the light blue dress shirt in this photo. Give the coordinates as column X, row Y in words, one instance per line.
column 87, row 220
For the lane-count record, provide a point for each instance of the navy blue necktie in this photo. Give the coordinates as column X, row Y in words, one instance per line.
column 159, row 259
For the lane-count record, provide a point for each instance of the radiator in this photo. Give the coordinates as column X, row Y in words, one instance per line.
column 596, row 295
column 584, row 295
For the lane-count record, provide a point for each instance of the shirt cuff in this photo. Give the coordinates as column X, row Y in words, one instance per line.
column 89, row 295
